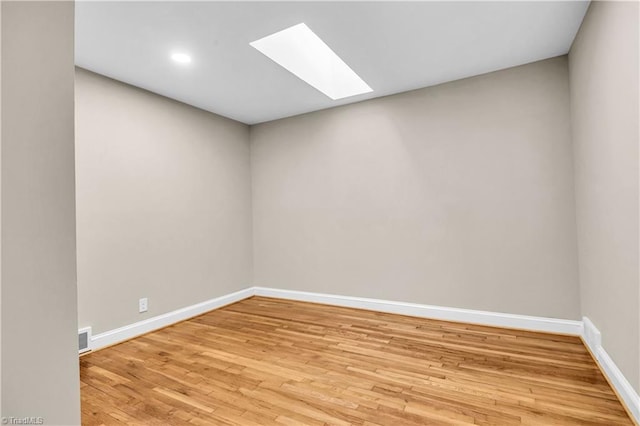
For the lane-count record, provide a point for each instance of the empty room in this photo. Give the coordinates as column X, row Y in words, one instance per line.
column 320, row 213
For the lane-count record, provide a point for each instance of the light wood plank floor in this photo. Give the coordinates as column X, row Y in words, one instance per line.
column 269, row 361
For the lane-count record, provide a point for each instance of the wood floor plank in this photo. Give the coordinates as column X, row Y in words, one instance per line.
column 266, row 361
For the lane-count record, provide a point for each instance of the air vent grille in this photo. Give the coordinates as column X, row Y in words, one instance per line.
column 84, row 339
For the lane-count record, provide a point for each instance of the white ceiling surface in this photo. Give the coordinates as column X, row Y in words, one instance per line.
column 393, row 46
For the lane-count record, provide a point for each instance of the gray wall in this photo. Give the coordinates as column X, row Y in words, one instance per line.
column 604, row 101
column 456, row 195
column 1, row 208
column 163, row 203
column 39, row 316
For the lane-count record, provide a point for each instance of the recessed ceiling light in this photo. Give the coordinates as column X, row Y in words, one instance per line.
column 181, row 58
column 301, row 52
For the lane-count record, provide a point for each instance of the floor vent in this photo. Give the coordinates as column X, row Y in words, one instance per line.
column 84, row 339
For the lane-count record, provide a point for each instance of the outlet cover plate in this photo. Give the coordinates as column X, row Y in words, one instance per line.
column 143, row 305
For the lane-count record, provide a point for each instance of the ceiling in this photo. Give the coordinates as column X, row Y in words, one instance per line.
column 393, row 46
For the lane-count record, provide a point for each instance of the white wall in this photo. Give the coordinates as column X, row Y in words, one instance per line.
column 456, row 195
column 39, row 316
column 604, row 101
column 163, row 203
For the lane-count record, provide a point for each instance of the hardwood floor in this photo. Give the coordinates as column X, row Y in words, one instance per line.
column 268, row 361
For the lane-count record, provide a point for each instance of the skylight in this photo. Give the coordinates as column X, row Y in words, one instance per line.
column 304, row 54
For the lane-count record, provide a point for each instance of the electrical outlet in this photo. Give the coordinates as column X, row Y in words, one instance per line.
column 143, row 305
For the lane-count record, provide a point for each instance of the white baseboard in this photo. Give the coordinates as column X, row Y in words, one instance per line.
column 523, row 322
column 121, row 334
column 591, row 337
